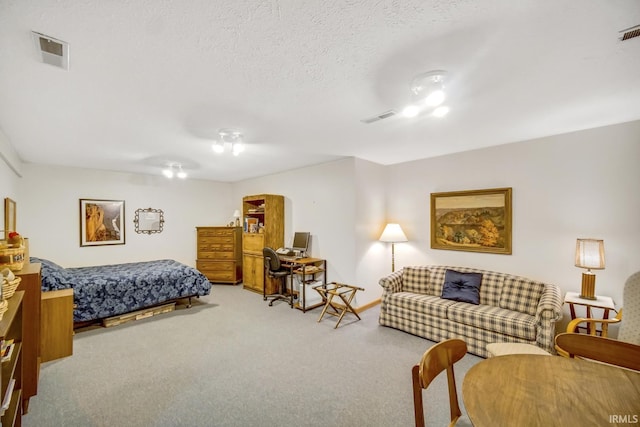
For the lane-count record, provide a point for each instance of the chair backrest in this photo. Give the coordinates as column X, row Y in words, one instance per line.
column 436, row 359
column 607, row 350
column 630, row 327
column 271, row 260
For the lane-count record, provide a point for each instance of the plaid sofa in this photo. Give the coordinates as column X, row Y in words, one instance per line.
column 512, row 309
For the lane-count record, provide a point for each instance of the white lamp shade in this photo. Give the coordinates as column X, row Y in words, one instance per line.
column 393, row 233
column 590, row 254
column 236, row 213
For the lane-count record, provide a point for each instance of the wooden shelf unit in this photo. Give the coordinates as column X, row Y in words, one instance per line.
column 32, row 286
column 268, row 210
column 11, row 327
column 219, row 253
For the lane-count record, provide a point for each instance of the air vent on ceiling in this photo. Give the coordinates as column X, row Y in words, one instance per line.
column 379, row 117
column 51, row 51
column 630, row 33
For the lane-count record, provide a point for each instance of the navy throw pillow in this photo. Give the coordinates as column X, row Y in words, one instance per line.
column 463, row 287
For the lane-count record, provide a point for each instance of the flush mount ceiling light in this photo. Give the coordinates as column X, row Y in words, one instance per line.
column 427, row 93
column 174, row 169
column 229, row 139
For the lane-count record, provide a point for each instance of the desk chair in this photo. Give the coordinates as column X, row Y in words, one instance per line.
column 274, row 269
column 435, row 360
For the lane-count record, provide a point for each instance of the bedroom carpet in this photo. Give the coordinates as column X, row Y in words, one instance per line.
column 231, row 360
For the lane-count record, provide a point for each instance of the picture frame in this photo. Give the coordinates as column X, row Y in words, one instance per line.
column 149, row 221
column 9, row 216
column 102, row 222
column 472, row 220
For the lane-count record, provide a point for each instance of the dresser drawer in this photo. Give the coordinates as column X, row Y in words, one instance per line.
column 221, row 276
column 215, row 265
column 216, row 240
column 217, row 255
column 226, row 247
column 216, row 232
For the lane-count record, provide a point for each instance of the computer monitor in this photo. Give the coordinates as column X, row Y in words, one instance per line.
column 300, row 241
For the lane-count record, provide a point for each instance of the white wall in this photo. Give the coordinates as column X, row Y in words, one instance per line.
column 10, row 169
column 320, row 199
column 48, row 213
column 582, row 184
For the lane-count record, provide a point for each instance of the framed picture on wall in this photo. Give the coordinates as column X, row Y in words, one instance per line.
column 101, row 222
column 474, row 221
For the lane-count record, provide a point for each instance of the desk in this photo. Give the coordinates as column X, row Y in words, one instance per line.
column 300, row 266
column 601, row 302
column 534, row 390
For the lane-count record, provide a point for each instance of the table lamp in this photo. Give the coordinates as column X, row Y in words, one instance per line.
column 393, row 234
column 589, row 255
column 236, row 215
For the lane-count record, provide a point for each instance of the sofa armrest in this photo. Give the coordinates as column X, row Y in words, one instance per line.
column 392, row 283
column 549, row 312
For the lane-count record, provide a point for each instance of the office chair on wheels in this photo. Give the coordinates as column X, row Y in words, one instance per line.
column 274, row 269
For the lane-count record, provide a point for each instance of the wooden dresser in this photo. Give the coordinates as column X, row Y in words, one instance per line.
column 219, row 253
column 31, row 306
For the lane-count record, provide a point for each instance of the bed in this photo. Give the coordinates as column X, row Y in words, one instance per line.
column 111, row 290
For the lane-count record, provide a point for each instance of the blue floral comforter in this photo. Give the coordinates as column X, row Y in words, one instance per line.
column 110, row 290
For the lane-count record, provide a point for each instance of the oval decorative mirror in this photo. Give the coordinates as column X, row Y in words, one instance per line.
column 149, row 221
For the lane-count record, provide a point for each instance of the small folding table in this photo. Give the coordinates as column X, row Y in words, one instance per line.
column 345, row 292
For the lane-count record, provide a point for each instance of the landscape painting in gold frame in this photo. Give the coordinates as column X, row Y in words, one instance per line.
column 474, row 221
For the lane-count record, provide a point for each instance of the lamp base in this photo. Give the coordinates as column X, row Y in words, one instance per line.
column 588, row 286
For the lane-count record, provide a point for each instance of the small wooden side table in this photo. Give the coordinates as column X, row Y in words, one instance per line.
column 344, row 292
column 601, row 302
column 57, row 324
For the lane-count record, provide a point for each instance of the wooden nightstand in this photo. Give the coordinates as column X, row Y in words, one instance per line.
column 601, row 302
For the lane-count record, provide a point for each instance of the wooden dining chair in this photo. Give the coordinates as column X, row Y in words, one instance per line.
column 436, row 359
column 601, row 349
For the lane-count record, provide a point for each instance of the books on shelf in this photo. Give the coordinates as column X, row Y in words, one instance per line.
column 250, row 225
column 7, row 396
column 7, row 349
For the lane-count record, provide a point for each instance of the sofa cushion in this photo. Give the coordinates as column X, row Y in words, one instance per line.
column 421, row 304
column 521, row 294
column 463, row 287
column 415, row 279
column 495, row 319
column 489, row 291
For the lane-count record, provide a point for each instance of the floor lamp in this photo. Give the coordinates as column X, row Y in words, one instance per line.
column 393, row 234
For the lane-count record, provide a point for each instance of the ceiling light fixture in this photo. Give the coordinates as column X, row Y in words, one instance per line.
column 174, row 169
column 229, row 139
column 427, row 91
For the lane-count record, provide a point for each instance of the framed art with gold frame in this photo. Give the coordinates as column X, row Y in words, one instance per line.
column 474, row 220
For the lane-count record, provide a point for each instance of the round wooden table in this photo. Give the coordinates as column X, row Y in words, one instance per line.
column 535, row 390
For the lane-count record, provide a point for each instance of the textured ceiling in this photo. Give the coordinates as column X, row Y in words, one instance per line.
column 150, row 82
